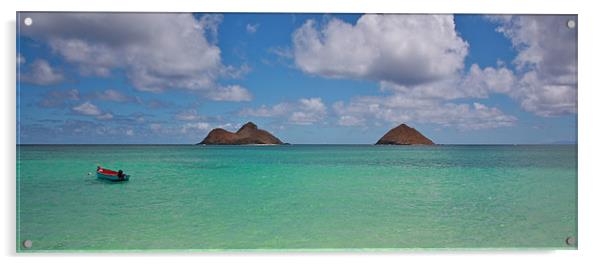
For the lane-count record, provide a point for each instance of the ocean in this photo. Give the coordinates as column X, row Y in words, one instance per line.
column 296, row 197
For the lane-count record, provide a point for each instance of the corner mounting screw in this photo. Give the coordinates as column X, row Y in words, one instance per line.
column 27, row 243
column 571, row 24
column 570, row 241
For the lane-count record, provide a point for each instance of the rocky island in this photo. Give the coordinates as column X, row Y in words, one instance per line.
column 404, row 135
column 247, row 134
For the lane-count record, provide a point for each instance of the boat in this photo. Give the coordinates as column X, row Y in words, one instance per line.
column 103, row 173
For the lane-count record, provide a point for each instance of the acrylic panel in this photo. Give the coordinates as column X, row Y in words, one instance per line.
column 295, row 131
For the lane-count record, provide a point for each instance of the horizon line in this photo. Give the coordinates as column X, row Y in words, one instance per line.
column 286, row 144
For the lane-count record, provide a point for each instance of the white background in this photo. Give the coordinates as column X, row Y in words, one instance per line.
column 589, row 23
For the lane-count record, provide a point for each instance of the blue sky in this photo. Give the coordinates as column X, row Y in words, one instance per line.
column 307, row 78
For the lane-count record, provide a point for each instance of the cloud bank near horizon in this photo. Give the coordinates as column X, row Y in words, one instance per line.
column 416, row 63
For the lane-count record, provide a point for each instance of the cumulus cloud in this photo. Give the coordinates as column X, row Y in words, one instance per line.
column 282, row 52
column 279, row 109
column 189, row 130
column 195, row 127
column 83, row 130
column 156, row 51
column 112, row 95
column 476, row 83
column 59, row 98
column 405, row 50
column 89, row 109
column 488, row 80
column 305, row 111
column 78, row 130
column 41, row 73
column 105, row 116
column 418, row 61
column 187, row 115
column 252, row 28
column 310, row 111
column 429, row 102
column 20, row 59
column 350, row 120
column 546, row 61
column 68, row 98
column 546, row 98
column 230, row 93
column 396, row 109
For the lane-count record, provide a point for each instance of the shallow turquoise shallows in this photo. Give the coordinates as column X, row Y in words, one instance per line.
column 296, row 197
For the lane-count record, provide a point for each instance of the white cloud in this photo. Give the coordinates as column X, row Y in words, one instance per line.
column 277, row 110
column 41, row 73
column 105, row 116
column 230, row 93
column 418, row 60
column 405, row 50
column 59, row 98
column 396, row 109
column 546, row 98
column 156, row 51
column 89, row 109
column 129, row 132
column 20, row 59
column 305, row 111
column 188, row 115
column 546, row 60
column 195, row 127
column 252, row 28
column 347, row 120
column 311, row 110
column 303, row 118
column 192, row 130
column 477, row 83
column 312, row 105
column 488, row 80
column 283, row 52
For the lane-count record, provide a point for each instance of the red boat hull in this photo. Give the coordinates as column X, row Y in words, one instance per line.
column 103, row 173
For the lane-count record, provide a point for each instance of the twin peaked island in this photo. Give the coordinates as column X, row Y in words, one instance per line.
column 250, row 134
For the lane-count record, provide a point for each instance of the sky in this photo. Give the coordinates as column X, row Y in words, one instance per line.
column 152, row 78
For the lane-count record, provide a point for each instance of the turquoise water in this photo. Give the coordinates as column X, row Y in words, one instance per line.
column 296, row 197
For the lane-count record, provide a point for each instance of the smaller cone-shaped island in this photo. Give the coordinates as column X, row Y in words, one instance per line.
column 404, row 135
column 247, row 134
